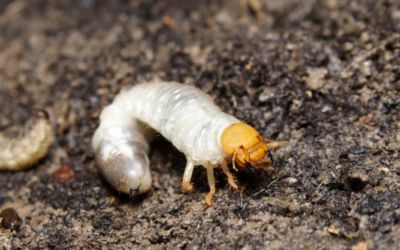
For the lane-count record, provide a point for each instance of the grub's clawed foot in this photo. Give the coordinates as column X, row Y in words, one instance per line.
column 187, row 186
column 231, row 178
column 233, row 183
column 188, row 174
column 209, row 197
column 211, row 183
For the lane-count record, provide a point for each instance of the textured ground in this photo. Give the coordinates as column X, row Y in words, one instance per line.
column 323, row 75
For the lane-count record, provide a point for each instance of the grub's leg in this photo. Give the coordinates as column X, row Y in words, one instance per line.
column 233, row 163
column 211, row 183
column 231, row 179
column 188, row 175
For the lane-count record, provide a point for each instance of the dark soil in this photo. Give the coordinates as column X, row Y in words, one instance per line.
column 322, row 75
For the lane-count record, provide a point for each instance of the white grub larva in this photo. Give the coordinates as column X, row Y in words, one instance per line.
column 30, row 146
column 186, row 117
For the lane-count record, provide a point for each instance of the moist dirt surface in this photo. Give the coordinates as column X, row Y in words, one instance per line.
column 322, row 75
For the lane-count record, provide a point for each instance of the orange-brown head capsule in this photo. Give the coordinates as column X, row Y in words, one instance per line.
column 246, row 145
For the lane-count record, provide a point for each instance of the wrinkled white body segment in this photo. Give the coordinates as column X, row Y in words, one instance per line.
column 181, row 113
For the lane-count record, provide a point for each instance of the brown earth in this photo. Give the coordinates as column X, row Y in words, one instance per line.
column 323, row 75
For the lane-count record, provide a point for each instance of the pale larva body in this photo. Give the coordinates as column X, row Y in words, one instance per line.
column 28, row 148
column 182, row 114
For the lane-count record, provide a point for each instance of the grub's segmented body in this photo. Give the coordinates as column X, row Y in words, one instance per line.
column 184, row 115
column 181, row 113
column 28, row 148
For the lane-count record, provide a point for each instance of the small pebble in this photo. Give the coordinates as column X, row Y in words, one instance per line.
column 10, row 220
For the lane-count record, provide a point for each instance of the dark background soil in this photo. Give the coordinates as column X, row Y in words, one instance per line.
column 322, row 75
